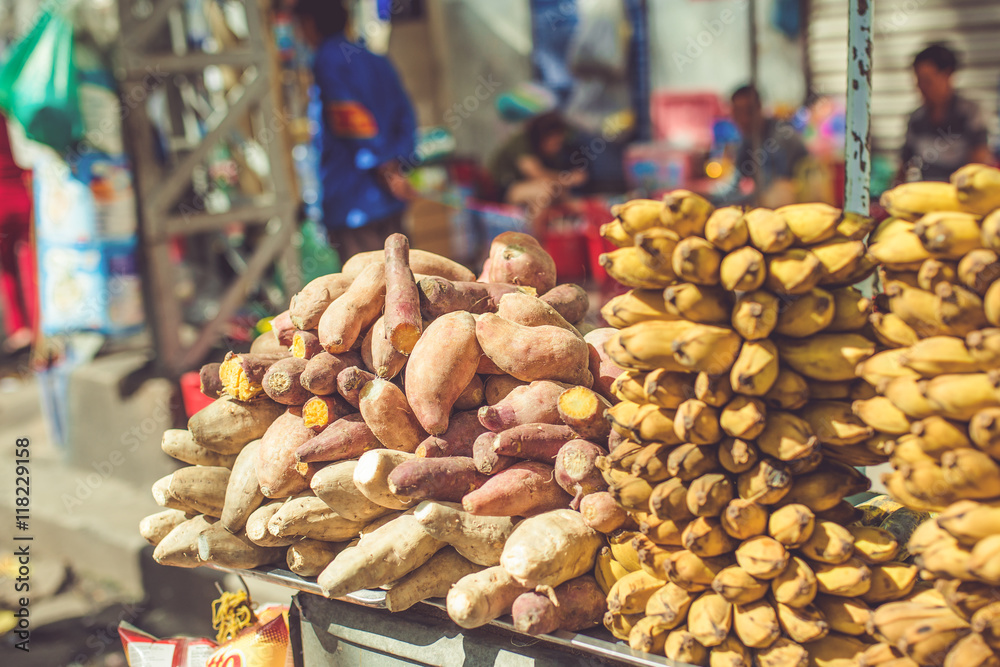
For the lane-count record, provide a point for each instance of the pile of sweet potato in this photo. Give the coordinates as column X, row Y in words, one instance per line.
column 407, row 425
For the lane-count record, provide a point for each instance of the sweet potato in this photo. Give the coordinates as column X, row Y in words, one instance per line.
column 307, row 558
column 524, row 489
column 163, row 497
column 575, row 605
column 604, row 370
column 243, row 494
column 320, row 375
column 347, row 438
column 576, row 470
column 442, row 364
column 537, row 442
column 202, row 488
column 534, row 353
column 267, row 343
column 227, row 425
column 351, row 381
column 487, row 460
column 582, row 410
column 422, row 262
column 379, row 355
column 179, row 444
column 281, row 325
column 433, row 579
column 531, row 311
column 217, row 545
column 569, row 300
column 520, row 262
column 487, row 367
column 309, row 516
column 382, row 556
column 309, row 304
column 535, row 403
column 463, row 429
column 155, row 527
column 551, row 548
column 321, row 411
column 305, row 345
column 602, row 513
column 478, row 598
column 353, row 311
column 179, row 547
column 472, row 396
column 402, row 299
column 389, row 415
column 256, row 528
column 276, row 461
column 478, row 538
column 497, row 387
column 335, row 486
column 281, row 382
column 371, row 476
column 210, row 384
column 242, row 374
column 447, row 479
column 439, row 296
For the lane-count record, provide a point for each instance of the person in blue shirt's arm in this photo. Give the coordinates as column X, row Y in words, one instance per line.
column 367, row 128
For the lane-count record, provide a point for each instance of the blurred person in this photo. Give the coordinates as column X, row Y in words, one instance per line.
column 948, row 131
column 771, row 152
column 367, row 125
column 17, row 259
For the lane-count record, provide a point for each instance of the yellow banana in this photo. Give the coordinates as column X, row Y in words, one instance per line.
column 647, row 635
column 743, row 417
column 829, row 543
column 855, row 226
column 743, row 519
column 667, row 389
column 707, row 348
column 651, row 463
column 654, row 424
column 849, row 616
column 712, row 390
column 796, row 585
column 965, row 598
column 685, row 213
column 949, row 235
column 891, row 330
column 836, row 650
column 829, row 357
column 681, row 646
column 972, row 651
column 629, row 387
column 726, row 228
column 787, row 437
column 907, row 395
column 960, row 311
column 743, row 270
column 635, row 306
column 709, row 494
column 669, row 500
column 790, row 391
column 632, row 493
column 762, row 557
column 807, row 315
column 737, row 456
column 984, row 561
column 669, row 605
column 840, row 258
column 767, row 482
column 971, row 473
column 694, row 573
column 991, row 304
column 940, row 355
column 910, row 201
column 620, row 625
column 811, row 223
column 656, row 248
column 626, row 266
column 834, row 423
column 978, row 188
column 697, row 423
column 961, row 396
column 984, row 345
column 755, row 315
column 709, row 618
column 880, row 414
column 883, row 367
column 730, row 653
column 794, row 271
column 890, row 581
column 697, row 261
column 830, row 391
column 705, row 538
column 903, row 251
column 978, row 270
column 938, row 435
column 792, row 525
column 755, row 369
column 735, row 585
column 756, row 623
column 768, row 230
column 984, row 431
column 614, row 233
column 918, row 308
column 647, row 345
column 698, row 303
column 783, row 653
column 934, row 271
column 638, row 215
column 850, row 310
column 689, row 461
column 852, row 578
column 890, row 621
column 805, row 624
column 928, row 642
column 873, row 544
column 630, row 594
column 607, row 570
column 990, row 234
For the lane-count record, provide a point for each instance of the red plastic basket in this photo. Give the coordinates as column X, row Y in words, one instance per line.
column 191, row 394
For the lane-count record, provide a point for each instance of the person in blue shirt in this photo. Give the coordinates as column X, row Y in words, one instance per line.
column 367, row 127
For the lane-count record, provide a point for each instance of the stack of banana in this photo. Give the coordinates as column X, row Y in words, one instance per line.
column 940, row 389
column 735, row 440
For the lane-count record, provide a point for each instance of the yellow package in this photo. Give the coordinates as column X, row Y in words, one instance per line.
column 263, row 644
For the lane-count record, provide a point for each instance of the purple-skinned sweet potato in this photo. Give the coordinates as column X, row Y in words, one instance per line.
column 379, row 355
column 604, row 370
column 524, row 489
column 439, row 296
column 309, row 304
column 486, row 458
column 281, row 382
column 281, row 325
column 536, row 442
column 535, row 403
column 347, row 438
column 576, row 469
column 402, row 322
column 276, row 462
column 320, row 375
column 535, row 353
column 569, row 300
column 445, row 479
column 530, row 311
column 602, row 512
column 520, row 261
column 353, row 311
column 350, row 382
column 463, row 429
column 574, row 605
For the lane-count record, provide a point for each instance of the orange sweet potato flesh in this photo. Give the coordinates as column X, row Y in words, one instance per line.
column 321, row 411
column 583, row 410
column 242, row 374
column 353, row 311
column 535, row 353
column 524, row 489
column 305, row 345
column 276, row 460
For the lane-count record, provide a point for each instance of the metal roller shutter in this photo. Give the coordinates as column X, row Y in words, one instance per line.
column 900, row 29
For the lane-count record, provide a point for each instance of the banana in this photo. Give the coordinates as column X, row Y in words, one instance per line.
column 910, row 201
column 883, row 367
column 880, row 414
column 873, row 544
column 840, row 258
column 762, row 557
column 829, row 543
column 710, row 618
column 756, row 623
column 880, row 444
column 638, row 215
column 899, row 488
column 630, row 594
column 925, row 480
column 811, row 223
column 990, row 235
column 790, row 391
column 836, row 650
column 614, row 233
column 949, row 235
column 861, row 391
column 934, row 271
column 669, row 605
column 882, row 654
column 769, row 231
column 661, row 532
column 697, row 261
column 632, row 494
column 726, row 228
column 984, row 345
column 903, row 251
column 940, row 355
column 743, row 417
column 755, row 315
column 928, row 642
column 713, row 390
column 623, row 552
column 737, row 456
column 946, row 558
column 806, row 464
column 607, row 570
column 793, row 272
column 806, row 315
column 796, row 585
column 635, row 306
column 961, row 396
column 890, row 581
column 698, row 303
column 978, row 188
column 805, row 624
column 830, row 391
column 656, row 248
column 916, row 307
column 849, row 616
column 787, row 437
column 706, row 348
column 666, row 389
column 829, row 357
column 890, row 329
column 855, row 455
column 908, row 451
column 651, row 463
column 697, row 423
column 855, row 226
column 978, row 270
column 647, row 345
column 694, row 573
column 629, row 387
column 767, row 482
column 755, row 369
column 792, row 525
column 738, row 587
column 971, row 473
column 621, row 415
column 653, row 556
column 689, row 461
column 891, row 620
column 908, row 396
column 709, row 494
column 743, row 270
column 622, row 456
column 647, row 635
column 626, row 266
column 960, row 311
column 984, row 562
column 652, row 424
column 888, row 228
column 730, row 653
column 850, row 310
column 991, row 304
column 984, row 431
column 682, row 647
column 783, row 653
column 705, row 538
column 685, row 213
column 972, row 651
column 743, row 519
column 852, row 578
column 834, row 423
column 669, row 500
column 965, row 598
column 620, row 625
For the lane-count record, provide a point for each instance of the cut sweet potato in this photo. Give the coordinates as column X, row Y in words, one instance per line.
column 320, row 375
column 321, row 411
column 487, row 460
column 526, row 488
column 551, row 548
column 202, row 488
column 179, row 547
column 499, row 386
column 521, row 262
column 472, row 396
column 582, row 410
column 210, row 384
column 478, row 598
column 433, row 579
column 537, row 442
column 463, row 429
column 227, row 425
column 531, row 311
column 535, row 403
column 576, row 469
column 439, row 296
column 534, row 353
column 309, row 304
column 389, row 416
column 347, row 438
column 353, row 311
column 281, row 382
column 569, row 300
column 305, row 345
column 307, row 558
column 276, row 460
column 371, row 476
column 309, row 516
column 478, row 538
column 217, row 545
column 445, row 479
column 243, row 494
column 574, row 605
column 179, row 444
column 422, row 262
column 155, row 527
column 335, row 485
column 351, row 381
column 402, row 299
column 242, row 374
